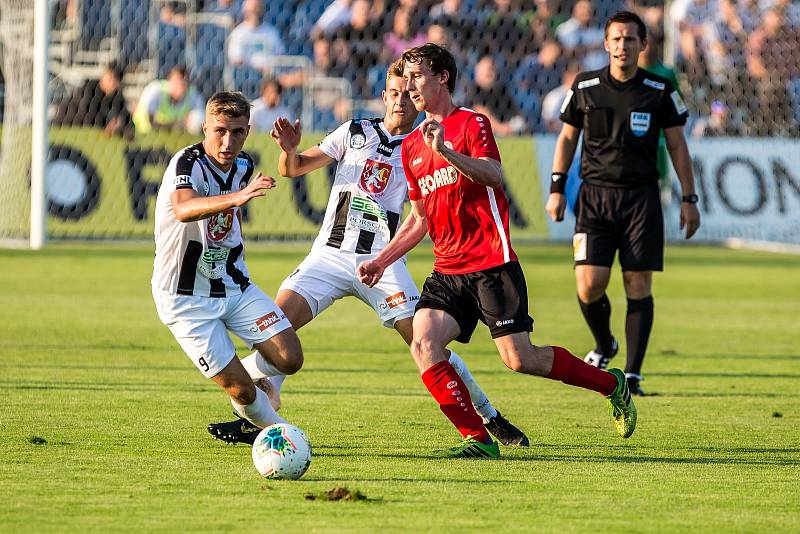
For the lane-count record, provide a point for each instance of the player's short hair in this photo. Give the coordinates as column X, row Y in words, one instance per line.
column 231, row 104
column 626, row 17
column 395, row 69
column 437, row 58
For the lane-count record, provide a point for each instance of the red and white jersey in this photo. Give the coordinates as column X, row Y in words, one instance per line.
column 369, row 190
column 206, row 257
column 467, row 221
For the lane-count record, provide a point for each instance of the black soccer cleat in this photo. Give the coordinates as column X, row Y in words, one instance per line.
column 634, row 385
column 232, row 432
column 506, row 433
column 601, row 360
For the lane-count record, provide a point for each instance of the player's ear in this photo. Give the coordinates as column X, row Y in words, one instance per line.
column 605, row 45
column 445, row 77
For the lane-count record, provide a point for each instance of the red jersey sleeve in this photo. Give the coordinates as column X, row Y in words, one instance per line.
column 413, row 189
column 480, row 138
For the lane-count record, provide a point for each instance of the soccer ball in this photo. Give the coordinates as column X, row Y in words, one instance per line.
column 282, row 451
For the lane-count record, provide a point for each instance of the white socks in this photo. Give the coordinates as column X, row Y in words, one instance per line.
column 479, row 399
column 258, row 367
column 259, row 412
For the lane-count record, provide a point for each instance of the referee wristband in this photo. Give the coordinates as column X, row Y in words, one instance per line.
column 558, row 181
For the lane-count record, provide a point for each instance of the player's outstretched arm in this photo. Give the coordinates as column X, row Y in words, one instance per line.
column 566, row 145
column 485, row 171
column 410, row 233
column 291, row 164
column 189, row 206
column 682, row 161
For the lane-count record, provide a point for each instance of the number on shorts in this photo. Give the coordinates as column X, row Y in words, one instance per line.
column 202, row 361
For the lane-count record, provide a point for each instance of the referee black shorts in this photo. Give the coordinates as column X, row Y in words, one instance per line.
column 628, row 220
column 498, row 297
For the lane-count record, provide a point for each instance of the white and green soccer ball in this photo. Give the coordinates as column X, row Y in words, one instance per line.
column 282, row 451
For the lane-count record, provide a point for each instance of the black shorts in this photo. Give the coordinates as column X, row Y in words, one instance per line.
column 626, row 219
column 497, row 296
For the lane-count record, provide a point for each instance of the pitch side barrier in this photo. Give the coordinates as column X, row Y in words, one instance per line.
column 105, row 187
column 749, row 190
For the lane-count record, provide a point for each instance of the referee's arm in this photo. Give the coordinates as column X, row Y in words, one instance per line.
column 682, row 161
column 562, row 159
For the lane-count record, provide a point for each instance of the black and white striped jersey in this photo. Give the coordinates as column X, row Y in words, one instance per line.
column 369, row 189
column 205, row 257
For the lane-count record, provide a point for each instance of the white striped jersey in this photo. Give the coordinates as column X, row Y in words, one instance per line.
column 205, row 257
column 369, row 190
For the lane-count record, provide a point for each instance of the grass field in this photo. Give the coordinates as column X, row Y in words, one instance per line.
column 88, row 368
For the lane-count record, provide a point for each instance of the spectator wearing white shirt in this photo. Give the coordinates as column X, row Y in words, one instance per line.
column 581, row 38
column 253, row 42
column 267, row 108
column 551, row 104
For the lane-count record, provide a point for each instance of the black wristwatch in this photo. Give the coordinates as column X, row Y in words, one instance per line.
column 689, row 199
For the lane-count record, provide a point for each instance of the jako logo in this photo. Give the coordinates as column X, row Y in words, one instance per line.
column 507, row 321
column 451, row 384
column 396, row 300
column 262, row 323
column 441, row 177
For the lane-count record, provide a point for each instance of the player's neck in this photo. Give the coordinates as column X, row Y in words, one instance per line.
column 441, row 109
column 395, row 128
column 623, row 74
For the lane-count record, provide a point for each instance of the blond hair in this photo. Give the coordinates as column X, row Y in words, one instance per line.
column 230, row 104
column 395, row 70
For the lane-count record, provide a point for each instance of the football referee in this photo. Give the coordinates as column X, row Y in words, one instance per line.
column 621, row 110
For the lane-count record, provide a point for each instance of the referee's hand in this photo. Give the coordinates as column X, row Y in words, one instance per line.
column 555, row 207
column 690, row 218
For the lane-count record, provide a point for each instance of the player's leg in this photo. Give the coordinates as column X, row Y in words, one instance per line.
column 594, row 246
column 641, row 253
column 248, row 401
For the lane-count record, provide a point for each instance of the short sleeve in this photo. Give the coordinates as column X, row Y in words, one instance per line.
column 184, row 173
column 571, row 112
column 673, row 109
column 335, row 143
column 480, row 138
column 413, row 189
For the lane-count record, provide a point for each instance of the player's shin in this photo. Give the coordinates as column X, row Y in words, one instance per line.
column 453, row 397
column 479, row 399
column 573, row 371
column 259, row 412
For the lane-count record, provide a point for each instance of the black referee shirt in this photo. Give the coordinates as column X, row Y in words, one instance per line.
column 621, row 122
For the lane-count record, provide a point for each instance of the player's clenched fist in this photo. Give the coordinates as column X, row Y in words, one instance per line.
column 433, row 135
column 370, row 272
column 256, row 188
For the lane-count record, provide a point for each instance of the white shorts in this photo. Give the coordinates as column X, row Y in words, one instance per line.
column 328, row 274
column 200, row 324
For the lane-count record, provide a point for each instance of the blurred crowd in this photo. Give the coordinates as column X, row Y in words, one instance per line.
column 737, row 62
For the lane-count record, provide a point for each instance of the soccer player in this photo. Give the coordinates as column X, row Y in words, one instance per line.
column 621, row 109
column 362, row 215
column 455, row 185
column 200, row 283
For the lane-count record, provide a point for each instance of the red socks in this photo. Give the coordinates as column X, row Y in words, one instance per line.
column 575, row 372
column 450, row 392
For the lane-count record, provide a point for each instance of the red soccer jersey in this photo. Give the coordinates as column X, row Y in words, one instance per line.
column 467, row 221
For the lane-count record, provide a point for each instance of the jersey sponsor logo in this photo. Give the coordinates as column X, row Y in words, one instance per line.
column 504, row 322
column 212, row 263
column 358, row 140
column 220, row 224
column 376, row 227
column 396, row 300
column 588, row 83
column 183, row 179
column 680, row 107
column 654, row 84
column 367, row 205
column 565, row 103
column 440, row 178
column 579, row 246
column 264, row 322
column 417, row 161
column 385, row 150
column 375, row 176
column 640, row 123
column 452, row 384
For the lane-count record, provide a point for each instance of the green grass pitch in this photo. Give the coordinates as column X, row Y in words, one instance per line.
column 87, row 367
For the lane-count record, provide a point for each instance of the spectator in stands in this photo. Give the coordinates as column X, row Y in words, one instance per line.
column 546, row 18
column 253, row 42
column 718, row 124
column 581, row 38
column 171, row 48
column 359, row 41
column 541, row 72
column 459, row 22
column 405, row 33
column 491, row 96
column 267, row 108
column 551, row 104
column 505, row 31
column 336, row 16
column 774, row 65
column 170, row 104
column 232, row 8
column 98, row 103
column 725, row 42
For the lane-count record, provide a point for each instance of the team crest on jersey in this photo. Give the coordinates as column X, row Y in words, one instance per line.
column 640, row 123
column 375, row 176
column 358, row 140
column 220, row 224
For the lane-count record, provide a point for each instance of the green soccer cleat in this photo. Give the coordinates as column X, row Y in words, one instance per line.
column 621, row 407
column 470, row 448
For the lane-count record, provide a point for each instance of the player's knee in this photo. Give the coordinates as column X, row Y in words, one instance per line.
column 292, row 361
